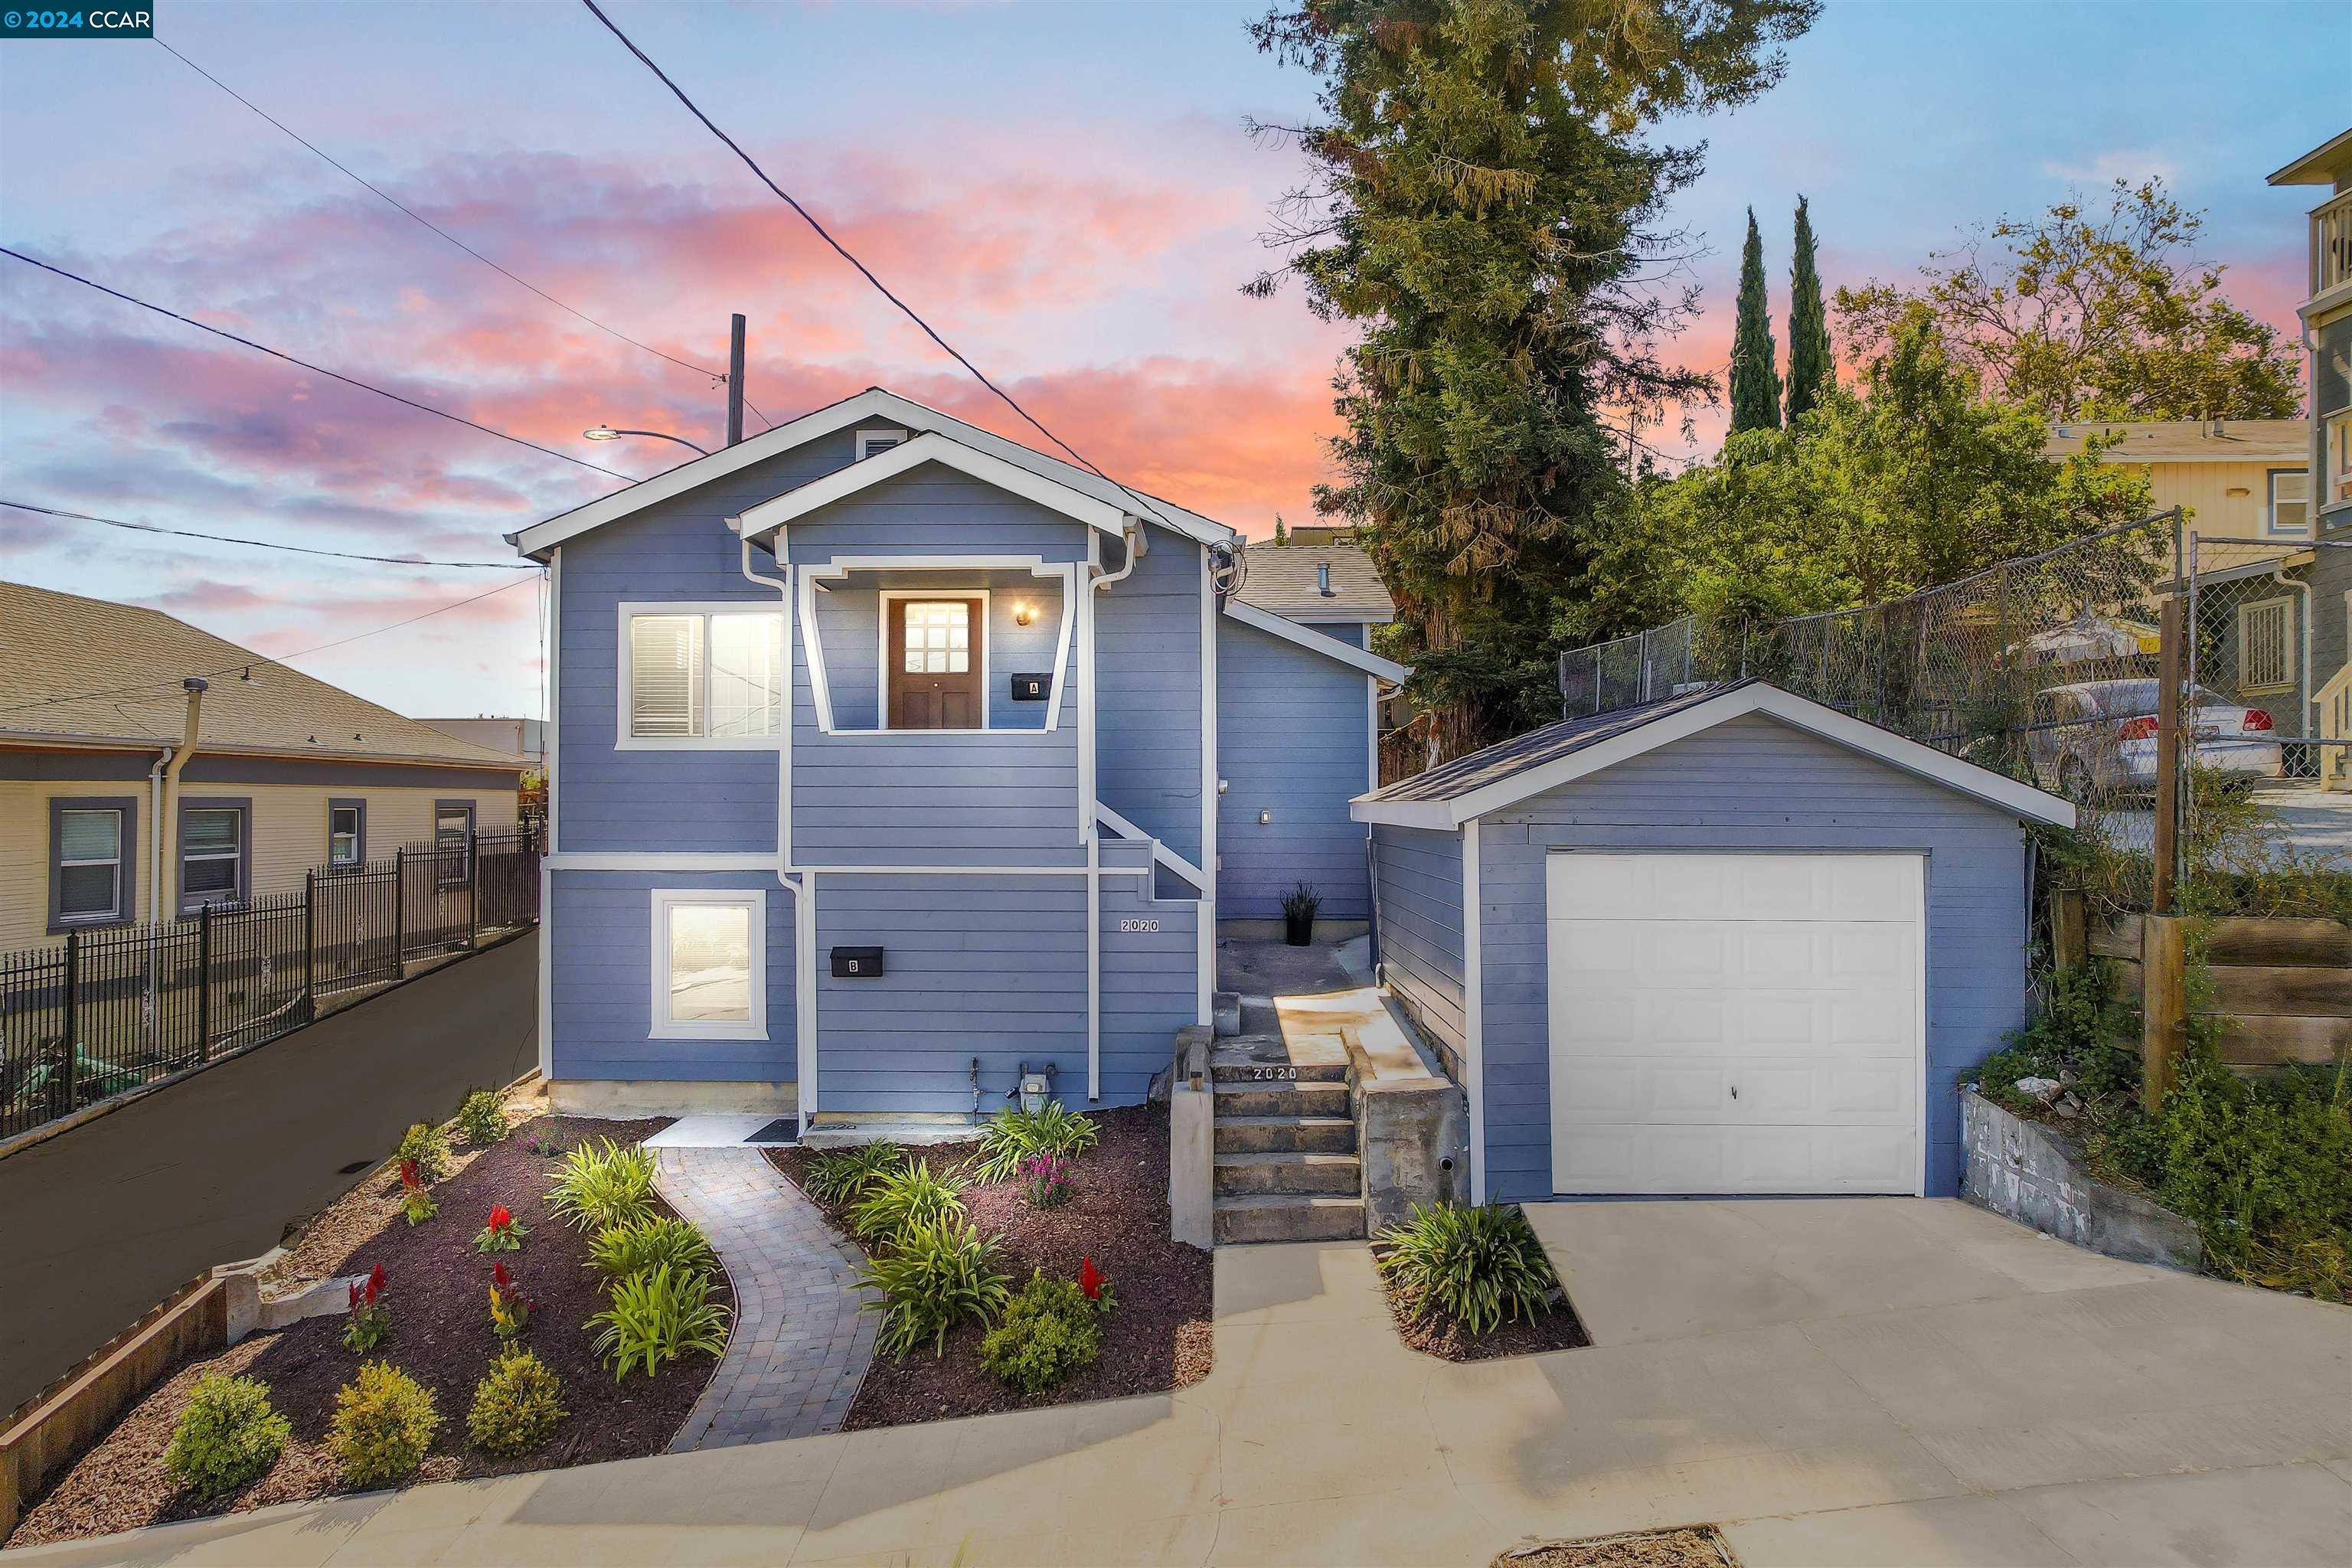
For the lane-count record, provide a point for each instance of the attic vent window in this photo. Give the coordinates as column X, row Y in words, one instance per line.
column 872, row 441
column 1323, row 580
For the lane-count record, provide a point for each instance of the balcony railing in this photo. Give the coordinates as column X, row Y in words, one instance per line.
column 2331, row 244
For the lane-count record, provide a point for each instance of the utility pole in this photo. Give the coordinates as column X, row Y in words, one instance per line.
column 735, row 381
column 2165, row 852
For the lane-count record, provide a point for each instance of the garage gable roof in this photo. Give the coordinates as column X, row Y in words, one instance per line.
column 1506, row 773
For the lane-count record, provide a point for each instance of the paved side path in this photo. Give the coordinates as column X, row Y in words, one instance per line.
column 800, row 1345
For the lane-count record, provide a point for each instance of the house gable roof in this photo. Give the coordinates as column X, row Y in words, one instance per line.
column 1504, row 774
column 874, row 406
column 1283, row 578
column 930, row 447
column 1317, row 642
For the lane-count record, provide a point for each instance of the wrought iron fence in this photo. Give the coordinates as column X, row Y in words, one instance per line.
column 107, row 1011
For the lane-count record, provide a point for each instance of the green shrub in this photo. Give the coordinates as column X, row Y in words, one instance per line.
column 657, row 1316
column 942, row 1274
column 1050, row 1331
column 425, row 1144
column 385, row 1422
column 483, row 1118
column 227, row 1436
column 1014, row 1135
column 518, row 1405
column 900, row 1201
column 642, row 1245
column 603, row 1185
column 840, row 1177
column 2073, row 1035
column 1478, row 1266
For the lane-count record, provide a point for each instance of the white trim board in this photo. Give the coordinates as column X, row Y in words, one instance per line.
column 1757, row 697
column 874, row 405
column 1160, row 852
column 930, row 447
column 1316, row 642
column 811, row 575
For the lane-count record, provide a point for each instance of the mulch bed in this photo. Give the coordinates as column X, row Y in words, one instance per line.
column 1691, row 1546
column 438, row 1288
column 1157, row 1339
column 1439, row 1334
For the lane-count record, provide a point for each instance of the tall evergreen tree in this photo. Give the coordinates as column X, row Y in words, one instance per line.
column 1478, row 203
column 1755, row 379
column 1813, row 373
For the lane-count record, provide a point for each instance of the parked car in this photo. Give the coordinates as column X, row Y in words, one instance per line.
column 2098, row 737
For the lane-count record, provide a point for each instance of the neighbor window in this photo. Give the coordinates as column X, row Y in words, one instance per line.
column 708, row 678
column 89, row 848
column 2331, row 401
column 453, row 839
column 2289, row 511
column 869, row 442
column 346, row 833
column 2264, row 645
column 709, row 964
column 213, row 860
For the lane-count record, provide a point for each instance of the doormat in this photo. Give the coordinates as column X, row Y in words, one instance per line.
column 782, row 1130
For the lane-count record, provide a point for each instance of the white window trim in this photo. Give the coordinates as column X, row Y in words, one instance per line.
column 811, row 577
column 886, row 657
column 2269, row 504
column 661, row 1026
column 624, row 667
column 2246, row 612
column 895, row 438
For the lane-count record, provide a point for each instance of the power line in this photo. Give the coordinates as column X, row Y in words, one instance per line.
column 314, row 369
column 839, row 249
column 286, row 662
column 402, row 207
column 269, row 543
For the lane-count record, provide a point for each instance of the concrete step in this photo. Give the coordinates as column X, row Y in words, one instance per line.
column 1258, row 1071
column 1312, row 1175
column 1286, row 1135
column 1280, row 1097
column 1289, row 1218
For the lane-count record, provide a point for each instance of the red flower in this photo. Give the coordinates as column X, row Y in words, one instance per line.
column 1090, row 1279
column 409, row 1176
column 374, row 1283
column 498, row 1275
column 499, row 1218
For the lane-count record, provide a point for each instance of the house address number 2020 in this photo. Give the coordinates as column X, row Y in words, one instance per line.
column 1132, row 923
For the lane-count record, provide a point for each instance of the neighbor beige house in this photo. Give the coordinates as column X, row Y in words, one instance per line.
column 115, row 718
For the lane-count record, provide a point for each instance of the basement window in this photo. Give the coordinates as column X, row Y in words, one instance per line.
column 709, row 964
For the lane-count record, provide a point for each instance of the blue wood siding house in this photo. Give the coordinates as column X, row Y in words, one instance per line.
column 1731, row 943
column 891, row 760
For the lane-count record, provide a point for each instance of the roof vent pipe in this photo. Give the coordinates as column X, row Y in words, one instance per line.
column 1323, row 580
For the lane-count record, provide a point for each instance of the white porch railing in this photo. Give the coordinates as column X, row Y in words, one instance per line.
column 2331, row 244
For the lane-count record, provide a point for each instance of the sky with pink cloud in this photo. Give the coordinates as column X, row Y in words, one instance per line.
column 1064, row 189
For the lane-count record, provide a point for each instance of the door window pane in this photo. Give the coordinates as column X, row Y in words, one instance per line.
column 938, row 637
column 710, row 963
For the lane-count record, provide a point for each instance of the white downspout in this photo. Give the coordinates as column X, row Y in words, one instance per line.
column 2305, row 708
column 804, row 908
column 167, row 794
column 1131, row 535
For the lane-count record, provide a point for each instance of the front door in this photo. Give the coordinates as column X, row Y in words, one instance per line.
column 935, row 671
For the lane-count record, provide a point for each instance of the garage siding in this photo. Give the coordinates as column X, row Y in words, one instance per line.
column 1751, row 783
column 1418, row 880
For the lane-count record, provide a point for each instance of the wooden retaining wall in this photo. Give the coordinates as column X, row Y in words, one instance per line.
column 2285, row 985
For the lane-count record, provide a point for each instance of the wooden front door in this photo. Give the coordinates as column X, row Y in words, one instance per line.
column 935, row 664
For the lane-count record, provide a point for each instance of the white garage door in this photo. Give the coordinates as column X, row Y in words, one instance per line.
column 1736, row 1023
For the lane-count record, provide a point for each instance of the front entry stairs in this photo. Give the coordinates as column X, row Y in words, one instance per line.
column 1286, row 1166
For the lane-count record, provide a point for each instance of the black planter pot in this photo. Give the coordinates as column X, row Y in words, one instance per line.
column 1298, row 931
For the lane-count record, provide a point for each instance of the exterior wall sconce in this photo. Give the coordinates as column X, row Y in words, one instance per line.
column 1024, row 613
column 1221, row 786
column 1265, row 818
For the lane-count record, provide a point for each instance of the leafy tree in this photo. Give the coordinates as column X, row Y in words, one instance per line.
column 1480, row 203
column 1812, row 370
column 2091, row 315
column 1755, row 378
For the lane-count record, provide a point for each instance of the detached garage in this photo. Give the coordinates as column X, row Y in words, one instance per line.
column 1731, row 943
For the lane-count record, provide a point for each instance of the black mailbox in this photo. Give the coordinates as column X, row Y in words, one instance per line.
column 1032, row 688
column 856, row 963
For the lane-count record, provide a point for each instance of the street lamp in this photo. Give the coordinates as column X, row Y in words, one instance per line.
column 606, row 433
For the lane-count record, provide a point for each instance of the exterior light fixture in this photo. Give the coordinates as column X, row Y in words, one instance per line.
column 1022, row 613
column 606, row 433
column 1264, row 817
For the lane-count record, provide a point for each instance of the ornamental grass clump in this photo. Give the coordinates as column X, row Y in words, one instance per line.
column 1049, row 1332
column 425, row 1146
column 657, row 1316
column 940, row 1276
column 518, row 1405
column 1014, row 1135
column 227, row 1437
column 1477, row 1265
column 603, row 1184
column 840, row 1177
column 642, row 1245
column 902, row 1201
column 483, row 1118
column 385, row 1422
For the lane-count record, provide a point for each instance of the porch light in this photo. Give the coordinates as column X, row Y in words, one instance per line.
column 1022, row 613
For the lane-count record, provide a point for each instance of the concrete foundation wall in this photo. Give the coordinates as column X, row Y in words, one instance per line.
column 2025, row 1172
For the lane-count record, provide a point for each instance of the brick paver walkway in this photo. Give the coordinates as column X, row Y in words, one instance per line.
column 800, row 1345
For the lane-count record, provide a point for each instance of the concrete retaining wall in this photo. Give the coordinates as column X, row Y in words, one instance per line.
column 2028, row 1173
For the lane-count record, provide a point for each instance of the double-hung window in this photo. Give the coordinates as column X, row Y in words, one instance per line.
column 2265, row 645
column 709, row 964
column 90, row 860
column 346, row 834
column 214, row 855
column 2288, row 510
column 694, row 677
column 453, row 839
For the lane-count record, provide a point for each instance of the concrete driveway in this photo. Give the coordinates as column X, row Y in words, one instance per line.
column 1872, row 1382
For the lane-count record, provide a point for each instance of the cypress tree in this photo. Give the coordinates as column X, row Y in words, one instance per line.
column 1811, row 371
column 1754, row 380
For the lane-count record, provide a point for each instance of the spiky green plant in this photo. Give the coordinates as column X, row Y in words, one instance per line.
column 942, row 1274
column 902, row 1200
column 641, row 1244
column 1478, row 1266
column 656, row 1317
column 1013, row 1134
column 603, row 1184
column 842, row 1177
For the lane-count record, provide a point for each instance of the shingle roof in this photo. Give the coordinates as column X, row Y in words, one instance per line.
column 61, row 645
column 1282, row 578
column 2279, row 442
column 1449, row 780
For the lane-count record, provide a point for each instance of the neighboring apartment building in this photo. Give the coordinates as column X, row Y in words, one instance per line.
column 2326, row 315
column 892, row 760
column 279, row 772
